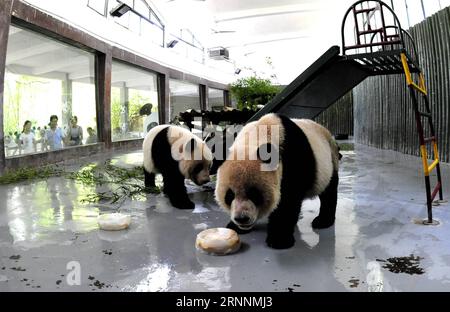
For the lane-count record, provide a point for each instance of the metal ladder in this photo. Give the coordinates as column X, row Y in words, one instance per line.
column 396, row 54
column 427, row 168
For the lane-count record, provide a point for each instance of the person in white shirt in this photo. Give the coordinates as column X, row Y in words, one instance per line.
column 27, row 140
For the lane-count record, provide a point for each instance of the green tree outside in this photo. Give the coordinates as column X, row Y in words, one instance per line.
column 253, row 91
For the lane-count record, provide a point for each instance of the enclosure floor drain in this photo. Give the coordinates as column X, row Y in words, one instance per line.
column 425, row 221
column 433, row 222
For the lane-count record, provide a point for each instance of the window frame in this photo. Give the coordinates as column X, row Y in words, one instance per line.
column 105, row 8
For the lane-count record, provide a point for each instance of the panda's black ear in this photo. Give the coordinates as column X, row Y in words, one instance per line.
column 190, row 146
column 266, row 152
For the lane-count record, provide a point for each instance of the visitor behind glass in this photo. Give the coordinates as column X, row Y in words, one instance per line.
column 54, row 136
column 92, row 138
column 27, row 139
column 74, row 132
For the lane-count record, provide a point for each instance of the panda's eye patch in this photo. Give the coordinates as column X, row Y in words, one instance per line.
column 255, row 196
column 229, row 197
column 197, row 169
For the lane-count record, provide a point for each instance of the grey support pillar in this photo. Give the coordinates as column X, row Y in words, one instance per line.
column 66, row 101
column 204, row 105
column 103, row 65
column 163, row 98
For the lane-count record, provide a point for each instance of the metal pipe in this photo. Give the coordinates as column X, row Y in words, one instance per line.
column 407, row 14
column 423, row 10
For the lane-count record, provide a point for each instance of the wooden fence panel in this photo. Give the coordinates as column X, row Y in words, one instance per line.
column 338, row 118
column 383, row 111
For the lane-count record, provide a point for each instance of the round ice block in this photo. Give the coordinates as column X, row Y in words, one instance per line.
column 218, row 241
column 113, row 221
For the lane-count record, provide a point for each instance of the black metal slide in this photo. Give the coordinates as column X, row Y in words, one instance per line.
column 318, row 87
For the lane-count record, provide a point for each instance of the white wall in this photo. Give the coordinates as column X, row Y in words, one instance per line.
column 78, row 14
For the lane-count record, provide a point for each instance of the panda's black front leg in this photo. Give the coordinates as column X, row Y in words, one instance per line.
column 149, row 179
column 328, row 202
column 282, row 222
column 175, row 189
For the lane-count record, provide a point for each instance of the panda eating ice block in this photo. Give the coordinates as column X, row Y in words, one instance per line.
column 177, row 154
column 273, row 165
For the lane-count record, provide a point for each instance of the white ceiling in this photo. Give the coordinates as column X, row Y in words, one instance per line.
column 292, row 33
column 269, row 38
column 33, row 54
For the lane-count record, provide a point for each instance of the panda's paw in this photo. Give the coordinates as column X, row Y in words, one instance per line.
column 280, row 241
column 238, row 230
column 182, row 204
column 322, row 223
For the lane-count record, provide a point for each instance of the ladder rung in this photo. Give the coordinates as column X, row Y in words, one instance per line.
column 372, row 31
column 365, row 45
column 425, row 114
column 428, row 140
column 392, row 37
column 433, row 164
column 364, row 10
column 418, row 88
column 436, row 189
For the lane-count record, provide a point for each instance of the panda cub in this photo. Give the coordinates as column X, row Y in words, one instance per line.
column 177, row 154
column 303, row 160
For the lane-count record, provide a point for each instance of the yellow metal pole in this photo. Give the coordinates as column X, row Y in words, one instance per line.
column 423, row 153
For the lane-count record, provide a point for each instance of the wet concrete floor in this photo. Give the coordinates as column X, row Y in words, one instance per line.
column 50, row 241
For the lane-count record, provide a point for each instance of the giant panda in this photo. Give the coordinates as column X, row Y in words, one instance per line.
column 307, row 166
column 219, row 144
column 177, row 154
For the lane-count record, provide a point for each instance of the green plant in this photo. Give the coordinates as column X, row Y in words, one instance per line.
column 121, row 183
column 136, row 99
column 14, row 89
column 346, row 146
column 115, row 108
column 252, row 91
column 124, row 182
column 30, row 174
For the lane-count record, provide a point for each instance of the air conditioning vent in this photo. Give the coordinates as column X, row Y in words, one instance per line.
column 219, row 53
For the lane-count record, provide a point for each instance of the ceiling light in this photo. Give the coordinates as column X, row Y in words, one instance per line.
column 172, row 43
column 120, row 10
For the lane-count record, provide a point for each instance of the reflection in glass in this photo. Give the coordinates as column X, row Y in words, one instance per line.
column 183, row 96
column 134, row 102
column 44, row 77
column 216, row 99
